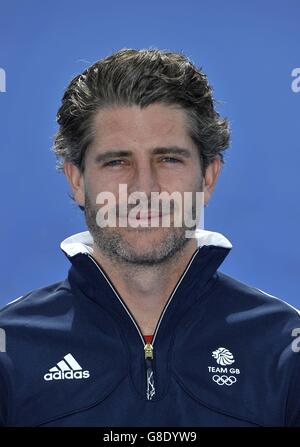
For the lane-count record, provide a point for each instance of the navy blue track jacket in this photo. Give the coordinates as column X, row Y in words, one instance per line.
column 223, row 353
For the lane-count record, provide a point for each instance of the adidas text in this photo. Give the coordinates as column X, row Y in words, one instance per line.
column 61, row 375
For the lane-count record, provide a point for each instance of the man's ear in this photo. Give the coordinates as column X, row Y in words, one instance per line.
column 210, row 178
column 75, row 179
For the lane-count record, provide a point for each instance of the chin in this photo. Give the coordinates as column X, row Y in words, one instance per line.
column 146, row 236
column 146, row 233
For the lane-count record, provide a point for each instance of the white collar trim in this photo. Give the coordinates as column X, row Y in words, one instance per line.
column 83, row 242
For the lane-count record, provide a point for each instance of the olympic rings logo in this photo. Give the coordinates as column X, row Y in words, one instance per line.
column 224, row 380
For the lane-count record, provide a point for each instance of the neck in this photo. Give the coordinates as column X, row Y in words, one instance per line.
column 146, row 289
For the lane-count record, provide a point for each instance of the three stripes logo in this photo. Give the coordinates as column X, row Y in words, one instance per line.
column 68, row 368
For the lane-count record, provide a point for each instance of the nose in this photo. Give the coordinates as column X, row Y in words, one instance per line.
column 145, row 179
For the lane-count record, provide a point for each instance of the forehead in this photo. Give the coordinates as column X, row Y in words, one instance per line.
column 150, row 126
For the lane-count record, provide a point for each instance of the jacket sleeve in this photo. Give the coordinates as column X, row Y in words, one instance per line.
column 4, row 390
column 293, row 399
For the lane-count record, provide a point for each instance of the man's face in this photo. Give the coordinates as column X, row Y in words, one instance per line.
column 137, row 147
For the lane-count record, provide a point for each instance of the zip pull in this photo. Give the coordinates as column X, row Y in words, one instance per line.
column 148, row 348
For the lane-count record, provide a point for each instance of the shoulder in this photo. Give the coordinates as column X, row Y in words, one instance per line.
column 32, row 319
column 36, row 308
column 37, row 312
column 254, row 302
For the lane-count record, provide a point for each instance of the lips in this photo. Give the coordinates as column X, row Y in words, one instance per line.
column 148, row 215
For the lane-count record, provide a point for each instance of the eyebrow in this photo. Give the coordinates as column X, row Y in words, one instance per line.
column 116, row 153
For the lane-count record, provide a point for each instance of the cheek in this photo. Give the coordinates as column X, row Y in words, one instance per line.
column 97, row 184
column 184, row 181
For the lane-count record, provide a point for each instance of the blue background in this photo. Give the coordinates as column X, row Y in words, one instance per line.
column 248, row 50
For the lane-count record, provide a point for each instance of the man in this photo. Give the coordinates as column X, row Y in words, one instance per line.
column 145, row 331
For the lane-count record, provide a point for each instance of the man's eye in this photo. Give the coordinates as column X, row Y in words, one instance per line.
column 114, row 163
column 171, row 160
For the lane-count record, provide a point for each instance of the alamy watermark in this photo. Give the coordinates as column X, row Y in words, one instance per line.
column 2, row 80
column 164, row 209
column 2, row 340
column 295, row 85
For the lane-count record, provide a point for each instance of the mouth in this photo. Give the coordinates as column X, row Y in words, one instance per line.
column 150, row 218
column 148, row 215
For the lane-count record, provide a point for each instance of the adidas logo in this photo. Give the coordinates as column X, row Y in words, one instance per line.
column 68, row 368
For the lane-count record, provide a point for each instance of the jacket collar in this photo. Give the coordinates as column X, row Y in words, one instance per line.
column 88, row 279
column 212, row 249
column 83, row 242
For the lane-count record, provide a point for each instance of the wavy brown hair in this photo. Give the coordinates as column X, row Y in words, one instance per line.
column 139, row 77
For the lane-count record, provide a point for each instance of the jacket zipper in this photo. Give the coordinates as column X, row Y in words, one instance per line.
column 148, row 347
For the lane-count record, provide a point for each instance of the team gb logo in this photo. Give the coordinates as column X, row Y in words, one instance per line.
column 223, row 356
